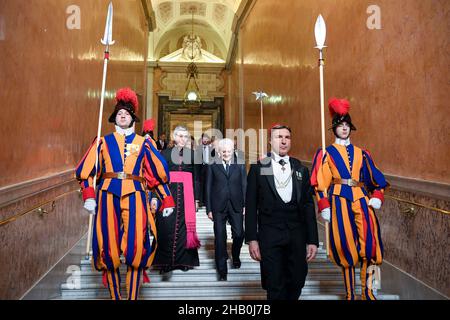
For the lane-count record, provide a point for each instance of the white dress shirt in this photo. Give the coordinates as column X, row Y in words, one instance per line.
column 282, row 177
column 205, row 153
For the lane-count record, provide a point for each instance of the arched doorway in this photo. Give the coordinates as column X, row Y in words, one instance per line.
column 197, row 119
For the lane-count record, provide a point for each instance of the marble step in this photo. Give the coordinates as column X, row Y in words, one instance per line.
column 246, row 262
column 197, row 285
column 221, row 290
column 199, row 289
column 380, row 296
column 211, row 276
column 262, row 296
column 206, row 269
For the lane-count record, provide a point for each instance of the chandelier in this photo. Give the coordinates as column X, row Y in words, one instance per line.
column 192, row 91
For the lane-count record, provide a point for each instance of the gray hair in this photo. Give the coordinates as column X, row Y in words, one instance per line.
column 178, row 129
column 225, row 143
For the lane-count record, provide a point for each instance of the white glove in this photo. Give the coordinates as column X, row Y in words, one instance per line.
column 167, row 212
column 375, row 203
column 90, row 205
column 326, row 214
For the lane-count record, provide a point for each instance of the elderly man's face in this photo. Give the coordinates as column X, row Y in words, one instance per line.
column 281, row 141
column 226, row 152
column 181, row 138
column 123, row 119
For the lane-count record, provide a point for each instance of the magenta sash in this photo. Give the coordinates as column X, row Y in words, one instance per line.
column 192, row 241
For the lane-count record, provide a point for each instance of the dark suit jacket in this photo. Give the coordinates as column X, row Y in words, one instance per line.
column 262, row 193
column 159, row 146
column 221, row 187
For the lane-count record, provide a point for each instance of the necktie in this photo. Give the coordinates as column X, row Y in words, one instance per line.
column 283, row 163
column 227, row 167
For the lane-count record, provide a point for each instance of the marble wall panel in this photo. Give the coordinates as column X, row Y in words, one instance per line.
column 34, row 242
column 395, row 77
column 52, row 76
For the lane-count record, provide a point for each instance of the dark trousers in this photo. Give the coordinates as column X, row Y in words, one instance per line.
column 220, row 232
column 283, row 261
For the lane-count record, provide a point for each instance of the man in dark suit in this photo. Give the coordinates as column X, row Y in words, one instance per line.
column 225, row 198
column 161, row 143
column 280, row 221
column 203, row 158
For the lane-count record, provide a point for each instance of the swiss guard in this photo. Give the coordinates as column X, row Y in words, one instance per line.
column 348, row 187
column 147, row 130
column 128, row 165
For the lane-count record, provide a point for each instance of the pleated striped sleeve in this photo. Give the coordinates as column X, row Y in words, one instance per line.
column 156, row 173
column 373, row 178
column 85, row 170
column 321, row 179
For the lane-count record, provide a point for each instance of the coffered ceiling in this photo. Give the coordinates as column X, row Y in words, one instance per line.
column 212, row 20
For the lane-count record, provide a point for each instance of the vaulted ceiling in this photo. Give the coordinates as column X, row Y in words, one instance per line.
column 212, row 20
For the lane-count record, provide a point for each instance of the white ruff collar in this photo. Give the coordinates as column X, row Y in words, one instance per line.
column 342, row 142
column 126, row 131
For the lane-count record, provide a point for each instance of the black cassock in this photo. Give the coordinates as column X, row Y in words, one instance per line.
column 171, row 252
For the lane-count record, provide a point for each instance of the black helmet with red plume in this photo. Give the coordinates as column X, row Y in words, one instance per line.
column 339, row 109
column 126, row 99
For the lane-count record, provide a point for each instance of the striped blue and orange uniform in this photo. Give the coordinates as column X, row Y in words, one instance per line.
column 354, row 232
column 122, row 224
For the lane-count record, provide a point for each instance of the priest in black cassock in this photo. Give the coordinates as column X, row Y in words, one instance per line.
column 177, row 236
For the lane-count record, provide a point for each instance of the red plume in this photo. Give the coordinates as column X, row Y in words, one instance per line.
column 149, row 125
column 128, row 96
column 338, row 106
